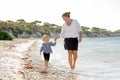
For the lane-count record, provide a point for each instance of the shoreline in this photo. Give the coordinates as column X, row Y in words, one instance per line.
column 20, row 59
column 34, row 67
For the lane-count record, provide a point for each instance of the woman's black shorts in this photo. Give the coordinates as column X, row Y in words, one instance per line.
column 71, row 43
column 46, row 56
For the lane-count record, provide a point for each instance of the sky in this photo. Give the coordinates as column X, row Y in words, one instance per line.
column 90, row 13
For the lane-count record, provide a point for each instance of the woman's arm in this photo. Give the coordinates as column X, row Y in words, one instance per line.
column 79, row 30
column 61, row 33
column 80, row 36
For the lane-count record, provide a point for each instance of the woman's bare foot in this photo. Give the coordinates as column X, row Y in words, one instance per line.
column 73, row 66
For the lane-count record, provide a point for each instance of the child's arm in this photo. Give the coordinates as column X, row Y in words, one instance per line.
column 41, row 49
column 53, row 43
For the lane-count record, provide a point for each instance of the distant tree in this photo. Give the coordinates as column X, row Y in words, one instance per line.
column 103, row 30
column 95, row 30
column 45, row 28
column 21, row 20
column 117, row 31
column 85, row 29
column 3, row 25
column 36, row 21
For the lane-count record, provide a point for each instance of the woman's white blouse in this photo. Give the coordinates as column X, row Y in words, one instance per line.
column 71, row 31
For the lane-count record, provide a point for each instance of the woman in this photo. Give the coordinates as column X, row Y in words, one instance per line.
column 72, row 33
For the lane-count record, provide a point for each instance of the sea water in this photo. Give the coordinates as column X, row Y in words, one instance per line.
column 98, row 58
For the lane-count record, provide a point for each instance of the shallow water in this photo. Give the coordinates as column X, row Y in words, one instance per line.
column 99, row 59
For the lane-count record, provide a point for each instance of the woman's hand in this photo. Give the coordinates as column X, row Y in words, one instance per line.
column 79, row 40
column 55, row 39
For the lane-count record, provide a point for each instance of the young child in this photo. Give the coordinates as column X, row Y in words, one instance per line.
column 46, row 48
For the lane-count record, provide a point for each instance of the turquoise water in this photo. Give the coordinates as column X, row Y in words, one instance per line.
column 100, row 45
column 98, row 59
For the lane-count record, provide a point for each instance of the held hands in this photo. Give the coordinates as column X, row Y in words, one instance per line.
column 55, row 39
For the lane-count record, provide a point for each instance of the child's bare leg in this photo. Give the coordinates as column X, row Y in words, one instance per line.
column 46, row 64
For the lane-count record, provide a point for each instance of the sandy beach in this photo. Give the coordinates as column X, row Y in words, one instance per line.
column 20, row 60
column 11, row 55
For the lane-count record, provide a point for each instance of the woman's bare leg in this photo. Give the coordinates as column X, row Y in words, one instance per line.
column 75, row 56
column 70, row 58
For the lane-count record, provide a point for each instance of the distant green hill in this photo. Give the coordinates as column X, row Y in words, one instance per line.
column 35, row 29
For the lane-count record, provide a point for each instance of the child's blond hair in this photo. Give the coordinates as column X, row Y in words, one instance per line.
column 44, row 36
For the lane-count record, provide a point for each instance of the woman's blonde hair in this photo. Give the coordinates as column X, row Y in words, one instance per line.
column 44, row 36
